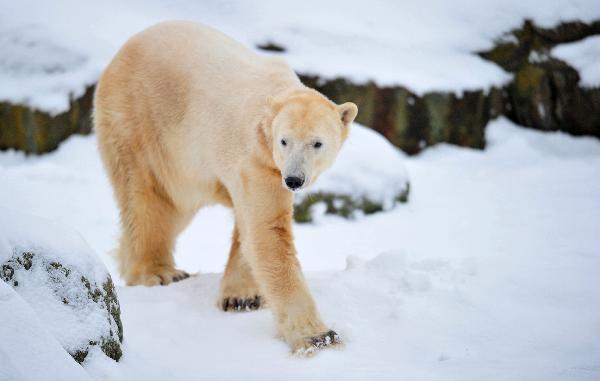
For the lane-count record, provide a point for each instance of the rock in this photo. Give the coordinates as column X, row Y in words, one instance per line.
column 29, row 351
column 341, row 205
column 545, row 93
column 270, row 46
column 412, row 122
column 64, row 283
column 36, row 131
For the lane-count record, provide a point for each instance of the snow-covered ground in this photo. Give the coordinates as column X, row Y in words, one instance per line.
column 584, row 56
column 52, row 48
column 491, row 271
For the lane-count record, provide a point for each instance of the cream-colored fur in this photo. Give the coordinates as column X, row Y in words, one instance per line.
column 187, row 117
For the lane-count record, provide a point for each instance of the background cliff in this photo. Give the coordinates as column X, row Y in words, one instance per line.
column 421, row 73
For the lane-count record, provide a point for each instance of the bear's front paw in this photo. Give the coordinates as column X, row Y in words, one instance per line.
column 159, row 275
column 312, row 344
column 242, row 304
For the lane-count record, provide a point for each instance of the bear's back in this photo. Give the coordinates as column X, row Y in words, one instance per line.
column 200, row 50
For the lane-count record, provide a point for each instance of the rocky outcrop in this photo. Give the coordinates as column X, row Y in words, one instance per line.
column 412, row 122
column 544, row 94
column 342, row 205
column 35, row 131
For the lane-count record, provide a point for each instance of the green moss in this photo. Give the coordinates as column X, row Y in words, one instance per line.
column 528, row 79
column 112, row 303
column 340, row 205
column 400, row 116
column 403, row 196
column 503, row 54
column 7, row 272
column 26, row 260
column 112, row 349
column 18, row 261
column 33, row 131
column 80, row 355
column 438, row 109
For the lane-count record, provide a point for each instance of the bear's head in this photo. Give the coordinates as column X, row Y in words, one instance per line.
column 306, row 132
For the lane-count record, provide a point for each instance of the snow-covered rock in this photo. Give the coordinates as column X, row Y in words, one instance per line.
column 68, row 287
column 28, row 352
column 583, row 56
column 368, row 177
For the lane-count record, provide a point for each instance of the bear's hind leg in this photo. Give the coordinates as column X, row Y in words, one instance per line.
column 149, row 223
column 239, row 291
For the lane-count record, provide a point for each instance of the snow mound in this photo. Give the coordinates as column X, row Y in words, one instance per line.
column 583, row 56
column 368, row 176
column 63, row 281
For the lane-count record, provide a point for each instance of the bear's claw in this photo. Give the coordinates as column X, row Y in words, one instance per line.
column 242, row 304
column 325, row 340
column 313, row 344
column 179, row 275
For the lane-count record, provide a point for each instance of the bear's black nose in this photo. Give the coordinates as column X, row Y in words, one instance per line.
column 294, row 182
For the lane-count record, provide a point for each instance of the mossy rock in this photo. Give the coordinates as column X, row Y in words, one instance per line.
column 545, row 93
column 34, row 131
column 409, row 121
column 92, row 307
column 341, row 205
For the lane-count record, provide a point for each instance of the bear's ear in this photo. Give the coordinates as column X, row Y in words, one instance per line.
column 348, row 112
column 273, row 104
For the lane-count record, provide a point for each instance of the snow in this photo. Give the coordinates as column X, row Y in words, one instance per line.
column 489, row 272
column 27, row 351
column 20, row 232
column 53, row 49
column 583, row 56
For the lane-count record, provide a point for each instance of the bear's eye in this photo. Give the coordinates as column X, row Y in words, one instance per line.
column 283, row 142
column 317, row 145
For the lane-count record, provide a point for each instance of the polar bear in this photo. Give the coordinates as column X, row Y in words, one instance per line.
column 187, row 117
